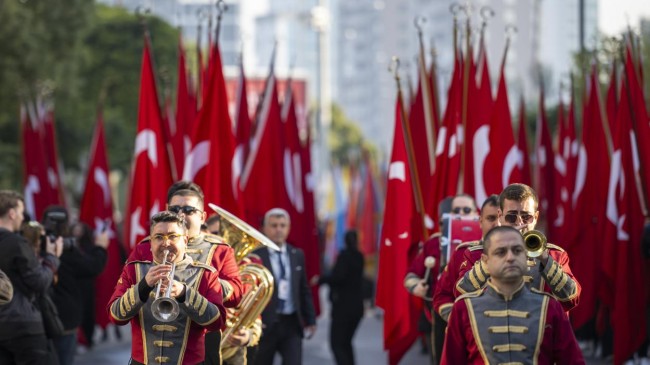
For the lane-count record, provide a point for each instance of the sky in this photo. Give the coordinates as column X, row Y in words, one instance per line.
column 614, row 15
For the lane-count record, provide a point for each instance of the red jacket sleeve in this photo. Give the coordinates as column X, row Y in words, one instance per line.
column 560, row 280
column 223, row 260
column 455, row 350
column 565, row 346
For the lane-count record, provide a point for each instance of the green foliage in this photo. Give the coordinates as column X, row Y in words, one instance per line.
column 346, row 141
column 84, row 52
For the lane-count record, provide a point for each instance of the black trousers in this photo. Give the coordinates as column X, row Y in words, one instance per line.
column 283, row 336
column 439, row 328
column 342, row 329
column 213, row 348
column 26, row 350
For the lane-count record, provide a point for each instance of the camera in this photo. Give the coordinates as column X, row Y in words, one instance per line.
column 55, row 222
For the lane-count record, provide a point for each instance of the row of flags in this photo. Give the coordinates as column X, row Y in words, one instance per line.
column 591, row 185
column 247, row 170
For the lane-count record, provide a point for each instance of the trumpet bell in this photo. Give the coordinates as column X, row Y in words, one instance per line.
column 535, row 243
column 240, row 235
column 165, row 309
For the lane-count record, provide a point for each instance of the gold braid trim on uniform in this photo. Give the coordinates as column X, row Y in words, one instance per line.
column 542, row 326
column 204, row 306
column 132, row 295
column 122, row 307
column 192, row 297
column 445, row 307
column 508, row 347
column 474, row 326
column 507, row 313
column 528, row 279
column 164, row 328
column 161, row 343
column 479, row 273
column 510, row 363
column 562, row 283
column 472, row 279
column 558, row 275
column 227, row 289
column 508, row 329
column 162, row 359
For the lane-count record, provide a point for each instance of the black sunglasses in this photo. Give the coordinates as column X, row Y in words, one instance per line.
column 186, row 209
column 465, row 210
column 512, row 217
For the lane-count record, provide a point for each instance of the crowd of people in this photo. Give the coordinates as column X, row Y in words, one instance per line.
column 490, row 300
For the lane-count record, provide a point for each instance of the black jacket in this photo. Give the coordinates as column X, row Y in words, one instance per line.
column 299, row 288
column 30, row 277
column 346, row 283
column 75, row 267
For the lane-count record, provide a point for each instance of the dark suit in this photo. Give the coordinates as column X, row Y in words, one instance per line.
column 346, row 295
column 283, row 332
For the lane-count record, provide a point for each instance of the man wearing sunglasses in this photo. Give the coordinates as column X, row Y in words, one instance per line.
column 444, row 296
column 415, row 282
column 187, row 198
column 194, row 286
column 550, row 272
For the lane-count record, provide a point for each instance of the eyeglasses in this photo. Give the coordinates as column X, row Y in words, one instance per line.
column 186, row 209
column 525, row 217
column 160, row 238
column 465, row 210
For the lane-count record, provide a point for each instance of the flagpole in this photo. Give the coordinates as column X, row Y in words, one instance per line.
column 221, row 8
column 463, row 111
column 408, row 142
column 426, row 96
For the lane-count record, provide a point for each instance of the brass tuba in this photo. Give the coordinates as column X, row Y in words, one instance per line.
column 535, row 243
column 256, row 279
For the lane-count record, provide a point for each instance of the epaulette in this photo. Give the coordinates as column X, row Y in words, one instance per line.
column 214, row 239
column 472, row 294
column 555, row 247
column 203, row 266
column 469, row 244
column 537, row 291
column 475, row 248
column 145, row 240
column 138, row 262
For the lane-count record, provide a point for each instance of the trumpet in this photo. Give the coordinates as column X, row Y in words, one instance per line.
column 535, row 243
column 165, row 308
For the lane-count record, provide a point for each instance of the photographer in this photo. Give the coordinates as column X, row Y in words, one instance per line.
column 22, row 336
column 76, row 266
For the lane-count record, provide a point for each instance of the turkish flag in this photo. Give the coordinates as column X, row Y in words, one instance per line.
column 210, row 164
column 307, row 184
column 51, row 153
column 244, row 125
column 445, row 180
column 367, row 224
column 263, row 180
column 504, row 162
column 544, row 168
column 397, row 250
column 38, row 192
column 522, row 143
column 478, row 128
column 96, row 210
column 623, row 265
column 183, row 123
column 151, row 173
column 589, row 216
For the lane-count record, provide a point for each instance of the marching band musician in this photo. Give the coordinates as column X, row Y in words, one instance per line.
column 187, row 198
column 550, row 272
column 415, row 283
column 506, row 322
column 443, row 297
column 195, row 287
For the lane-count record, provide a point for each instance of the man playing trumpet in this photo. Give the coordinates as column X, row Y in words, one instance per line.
column 195, row 289
column 549, row 272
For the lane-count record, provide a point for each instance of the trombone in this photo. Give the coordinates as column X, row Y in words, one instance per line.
column 165, row 308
